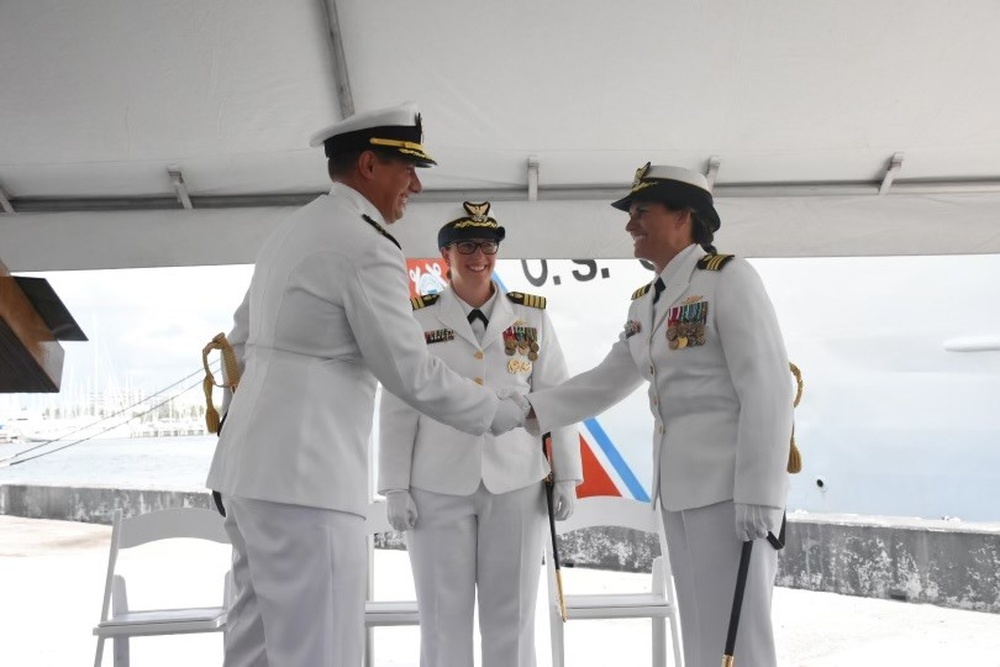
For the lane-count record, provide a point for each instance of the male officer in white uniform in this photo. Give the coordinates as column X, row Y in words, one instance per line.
column 474, row 506
column 327, row 315
column 705, row 337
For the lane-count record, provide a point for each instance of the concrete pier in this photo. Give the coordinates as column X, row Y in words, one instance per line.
column 52, row 574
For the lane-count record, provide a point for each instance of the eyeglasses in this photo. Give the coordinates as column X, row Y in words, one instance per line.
column 469, row 247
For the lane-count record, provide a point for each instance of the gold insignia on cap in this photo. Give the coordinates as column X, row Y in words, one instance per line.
column 479, row 216
column 640, row 174
column 478, row 212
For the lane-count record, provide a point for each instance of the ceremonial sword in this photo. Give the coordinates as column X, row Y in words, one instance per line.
column 549, row 483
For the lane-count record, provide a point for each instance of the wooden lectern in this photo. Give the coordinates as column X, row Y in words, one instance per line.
column 32, row 322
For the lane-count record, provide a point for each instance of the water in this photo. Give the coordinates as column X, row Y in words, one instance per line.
column 919, row 478
column 167, row 463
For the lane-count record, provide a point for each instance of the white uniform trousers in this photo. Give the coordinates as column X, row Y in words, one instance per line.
column 299, row 578
column 493, row 541
column 705, row 555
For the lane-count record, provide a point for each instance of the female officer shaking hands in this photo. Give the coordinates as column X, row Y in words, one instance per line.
column 705, row 337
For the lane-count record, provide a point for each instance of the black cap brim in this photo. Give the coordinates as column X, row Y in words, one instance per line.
column 676, row 194
column 448, row 234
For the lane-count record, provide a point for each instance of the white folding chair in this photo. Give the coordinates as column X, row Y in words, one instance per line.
column 659, row 604
column 124, row 622
column 382, row 612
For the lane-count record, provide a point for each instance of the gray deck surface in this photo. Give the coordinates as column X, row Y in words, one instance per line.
column 52, row 576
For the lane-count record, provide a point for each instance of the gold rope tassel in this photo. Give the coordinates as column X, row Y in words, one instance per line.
column 231, row 372
column 211, row 414
column 794, row 457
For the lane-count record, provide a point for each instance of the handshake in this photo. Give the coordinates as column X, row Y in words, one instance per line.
column 512, row 412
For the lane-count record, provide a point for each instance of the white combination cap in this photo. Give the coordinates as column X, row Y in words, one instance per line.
column 394, row 131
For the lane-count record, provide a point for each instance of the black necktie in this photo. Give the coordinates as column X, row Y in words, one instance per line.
column 476, row 314
column 657, row 288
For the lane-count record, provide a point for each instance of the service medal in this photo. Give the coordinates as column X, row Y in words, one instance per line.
column 686, row 324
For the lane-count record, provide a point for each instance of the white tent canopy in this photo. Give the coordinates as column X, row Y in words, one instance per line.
column 175, row 132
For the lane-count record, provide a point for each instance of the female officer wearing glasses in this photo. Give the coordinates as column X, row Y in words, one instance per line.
column 704, row 335
column 473, row 506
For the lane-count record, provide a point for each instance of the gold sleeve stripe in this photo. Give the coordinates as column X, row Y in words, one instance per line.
column 424, row 300
column 714, row 262
column 530, row 300
column 640, row 292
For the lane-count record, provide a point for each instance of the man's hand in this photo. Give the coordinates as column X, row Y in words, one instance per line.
column 401, row 510
column 510, row 413
column 563, row 499
column 756, row 521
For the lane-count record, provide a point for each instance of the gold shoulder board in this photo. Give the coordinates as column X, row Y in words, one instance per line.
column 641, row 291
column 714, row 262
column 530, row 300
column 423, row 300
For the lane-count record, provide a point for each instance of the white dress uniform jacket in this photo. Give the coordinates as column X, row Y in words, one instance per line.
column 722, row 409
column 417, row 450
column 328, row 314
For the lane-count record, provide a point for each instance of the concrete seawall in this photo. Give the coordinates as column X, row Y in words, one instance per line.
column 91, row 504
column 945, row 563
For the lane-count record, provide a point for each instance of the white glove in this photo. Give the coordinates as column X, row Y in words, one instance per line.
column 511, row 412
column 563, row 499
column 756, row 521
column 530, row 421
column 400, row 509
